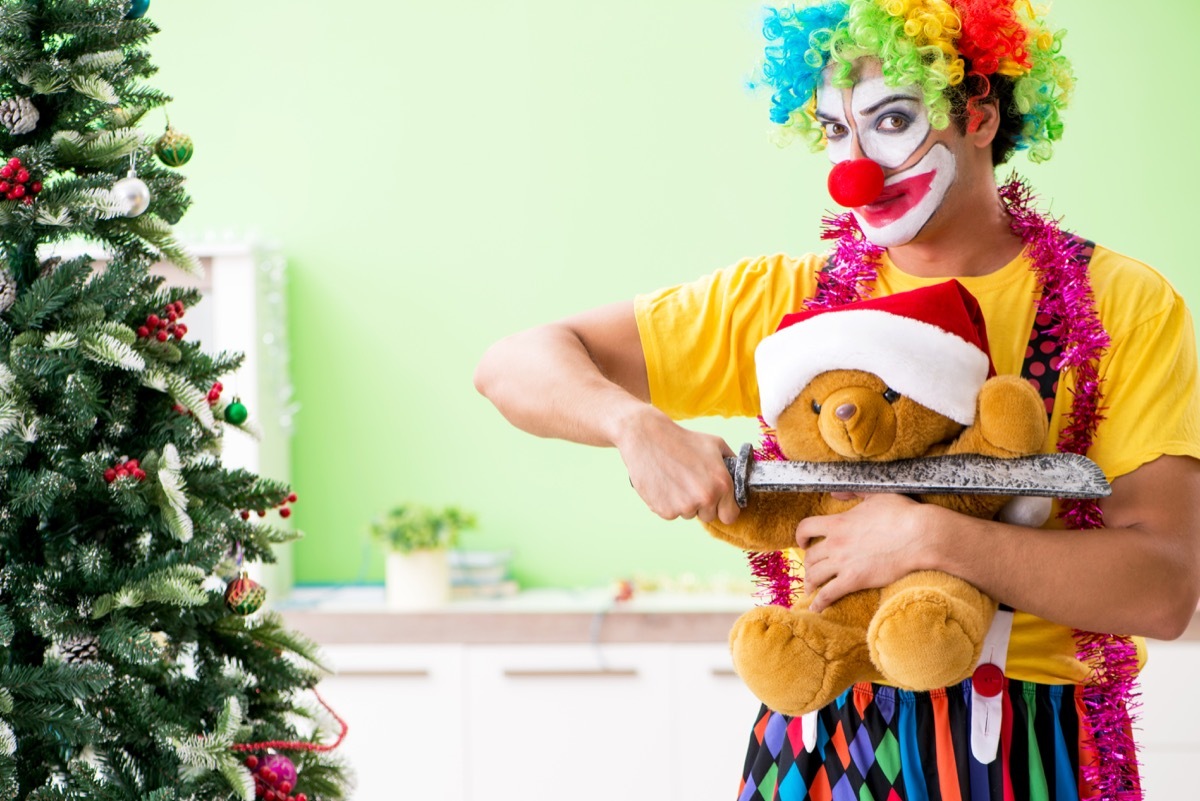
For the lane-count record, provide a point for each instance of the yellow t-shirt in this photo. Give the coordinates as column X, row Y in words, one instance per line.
column 699, row 340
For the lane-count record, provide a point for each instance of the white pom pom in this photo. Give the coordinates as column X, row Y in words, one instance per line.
column 1026, row 511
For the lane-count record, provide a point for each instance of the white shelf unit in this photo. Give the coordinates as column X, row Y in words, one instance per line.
column 242, row 309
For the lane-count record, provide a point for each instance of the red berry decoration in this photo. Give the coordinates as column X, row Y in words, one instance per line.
column 125, row 468
column 245, row 514
column 285, row 512
column 162, row 326
column 16, row 184
column 856, row 182
column 252, row 762
column 245, row 596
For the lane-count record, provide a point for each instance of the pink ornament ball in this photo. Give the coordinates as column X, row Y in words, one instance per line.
column 278, row 768
column 855, row 183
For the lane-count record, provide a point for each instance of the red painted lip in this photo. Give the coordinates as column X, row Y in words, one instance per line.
column 896, row 200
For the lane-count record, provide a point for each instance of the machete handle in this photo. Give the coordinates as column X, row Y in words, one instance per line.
column 739, row 468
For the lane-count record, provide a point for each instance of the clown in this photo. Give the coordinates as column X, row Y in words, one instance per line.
column 915, row 103
column 878, row 85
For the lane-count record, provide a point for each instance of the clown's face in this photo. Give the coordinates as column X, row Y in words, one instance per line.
column 890, row 126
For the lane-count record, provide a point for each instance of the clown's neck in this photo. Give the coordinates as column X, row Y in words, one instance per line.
column 975, row 240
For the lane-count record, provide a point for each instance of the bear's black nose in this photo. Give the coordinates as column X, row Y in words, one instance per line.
column 845, row 411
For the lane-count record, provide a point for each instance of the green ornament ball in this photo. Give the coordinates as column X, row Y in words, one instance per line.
column 174, row 148
column 138, row 9
column 236, row 413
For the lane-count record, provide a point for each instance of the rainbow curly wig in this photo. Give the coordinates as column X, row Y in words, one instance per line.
column 959, row 52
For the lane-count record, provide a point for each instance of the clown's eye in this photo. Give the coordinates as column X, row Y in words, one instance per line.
column 834, row 130
column 893, row 123
column 816, row 407
column 890, row 395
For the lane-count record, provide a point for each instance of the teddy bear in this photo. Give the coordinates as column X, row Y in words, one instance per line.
column 898, row 377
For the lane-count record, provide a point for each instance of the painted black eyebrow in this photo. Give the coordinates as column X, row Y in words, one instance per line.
column 889, row 99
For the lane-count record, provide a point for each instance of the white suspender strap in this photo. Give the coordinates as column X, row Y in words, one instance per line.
column 987, row 685
column 808, row 730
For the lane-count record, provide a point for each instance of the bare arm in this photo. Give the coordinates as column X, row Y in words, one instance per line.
column 1140, row 574
column 584, row 379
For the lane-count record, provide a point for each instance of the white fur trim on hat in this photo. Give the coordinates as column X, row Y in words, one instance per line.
column 934, row 367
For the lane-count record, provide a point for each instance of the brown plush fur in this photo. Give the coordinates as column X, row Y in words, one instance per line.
column 921, row 632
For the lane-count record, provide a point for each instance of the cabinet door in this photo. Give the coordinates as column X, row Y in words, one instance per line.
column 568, row 721
column 404, row 709
column 713, row 716
column 1167, row 731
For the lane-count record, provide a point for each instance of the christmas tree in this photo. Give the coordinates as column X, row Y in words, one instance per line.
column 132, row 662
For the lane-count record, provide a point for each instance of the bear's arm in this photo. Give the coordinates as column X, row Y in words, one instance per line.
column 768, row 523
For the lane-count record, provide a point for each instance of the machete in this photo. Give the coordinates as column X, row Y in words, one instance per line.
column 1047, row 475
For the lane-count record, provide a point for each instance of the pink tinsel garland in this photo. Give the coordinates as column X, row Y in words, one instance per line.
column 1109, row 699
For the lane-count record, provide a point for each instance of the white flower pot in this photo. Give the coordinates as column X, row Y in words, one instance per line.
column 417, row 580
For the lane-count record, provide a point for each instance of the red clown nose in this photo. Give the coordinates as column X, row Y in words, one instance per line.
column 856, row 182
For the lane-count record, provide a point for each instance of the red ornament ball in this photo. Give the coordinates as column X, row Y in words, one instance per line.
column 855, row 183
column 285, row 512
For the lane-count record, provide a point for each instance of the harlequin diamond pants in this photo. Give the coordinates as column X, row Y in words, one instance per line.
column 878, row 743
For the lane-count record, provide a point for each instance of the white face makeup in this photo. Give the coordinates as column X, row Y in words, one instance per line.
column 890, row 126
column 909, row 199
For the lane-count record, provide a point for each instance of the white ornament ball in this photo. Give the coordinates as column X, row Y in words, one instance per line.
column 131, row 195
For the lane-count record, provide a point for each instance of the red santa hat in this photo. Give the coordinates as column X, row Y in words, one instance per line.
column 929, row 344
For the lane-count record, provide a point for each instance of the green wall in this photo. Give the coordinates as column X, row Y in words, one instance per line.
column 442, row 174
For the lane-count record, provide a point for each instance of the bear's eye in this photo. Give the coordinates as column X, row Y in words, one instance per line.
column 890, row 395
column 816, row 407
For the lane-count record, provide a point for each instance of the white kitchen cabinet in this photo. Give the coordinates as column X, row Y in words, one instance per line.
column 569, row 721
column 403, row 706
column 712, row 719
column 531, row 722
column 1168, row 730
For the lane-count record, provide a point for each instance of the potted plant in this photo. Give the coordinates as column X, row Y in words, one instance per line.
column 417, row 539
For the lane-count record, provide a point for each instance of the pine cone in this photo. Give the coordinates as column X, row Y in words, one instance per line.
column 49, row 266
column 79, row 649
column 18, row 114
column 8, row 291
